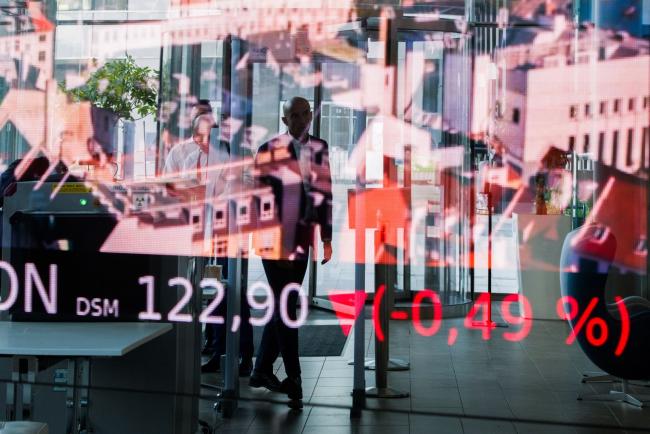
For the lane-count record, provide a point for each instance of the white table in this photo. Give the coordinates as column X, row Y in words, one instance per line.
column 77, row 342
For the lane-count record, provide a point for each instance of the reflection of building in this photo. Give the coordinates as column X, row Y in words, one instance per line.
column 629, row 229
column 260, row 211
column 243, row 212
column 26, row 50
column 618, row 234
column 27, row 47
column 22, row 122
column 594, row 99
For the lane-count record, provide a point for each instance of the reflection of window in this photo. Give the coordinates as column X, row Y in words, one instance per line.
column 220, row 215
column 222, row 247
column 498, row 112
column 641, row 246
column 430, row 86
column 630, row 104
column 617, row 105
column 603, row 108
column 72, row 5
column 615, row 148
column 645, row 147
column 96, row 5
column 515, row 115
column 12, row 144
column 601, row 146
column 587, row 110
column 110, row 5
column 211, row 69
column 265, row 204
column 630, row 142
column 242, row 214
column 336, row 125
column 573, row 112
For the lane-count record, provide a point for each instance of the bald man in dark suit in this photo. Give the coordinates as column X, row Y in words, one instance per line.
column 296, row 166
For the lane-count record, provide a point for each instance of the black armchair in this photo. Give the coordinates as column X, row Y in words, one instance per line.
column 587, row 256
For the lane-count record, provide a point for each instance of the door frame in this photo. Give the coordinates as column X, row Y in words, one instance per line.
column 400, row 23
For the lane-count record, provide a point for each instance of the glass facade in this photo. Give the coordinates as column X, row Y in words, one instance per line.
column 450, row 195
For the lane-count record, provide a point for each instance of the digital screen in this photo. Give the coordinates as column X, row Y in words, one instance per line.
column 194, row 194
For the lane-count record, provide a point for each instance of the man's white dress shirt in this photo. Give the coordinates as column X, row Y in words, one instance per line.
column 177, row 155
column 196, row 164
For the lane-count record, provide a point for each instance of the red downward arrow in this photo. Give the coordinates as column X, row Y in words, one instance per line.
column 347, row 306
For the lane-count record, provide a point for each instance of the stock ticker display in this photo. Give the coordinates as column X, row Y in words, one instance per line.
column 446, row 170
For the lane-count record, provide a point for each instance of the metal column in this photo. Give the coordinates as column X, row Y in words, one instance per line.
column 237, row 108
column 385, row 269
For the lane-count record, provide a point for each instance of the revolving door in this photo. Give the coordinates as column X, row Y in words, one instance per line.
column 420, row 147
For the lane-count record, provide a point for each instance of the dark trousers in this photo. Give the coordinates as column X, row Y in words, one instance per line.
column 215, row 334
column 278, row 338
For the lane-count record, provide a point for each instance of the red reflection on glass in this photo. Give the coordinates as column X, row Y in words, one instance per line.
column 524, row 321
column 596, row 329
column 347, row 307
column 399, row 315
column 625, row 326
column 471, row 322
column 379, row 295
column 437, row 313
column 451, row 338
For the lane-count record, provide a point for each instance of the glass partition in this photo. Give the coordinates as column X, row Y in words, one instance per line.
column 429, row 161
column 200, row 198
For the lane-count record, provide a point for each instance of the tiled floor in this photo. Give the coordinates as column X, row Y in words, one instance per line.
column 474, row 386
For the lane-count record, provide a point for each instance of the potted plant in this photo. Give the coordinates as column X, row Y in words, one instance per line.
column 117, row 90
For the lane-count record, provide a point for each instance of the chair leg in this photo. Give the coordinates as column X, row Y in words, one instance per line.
column 629, row 399
column 616, row 395
column 597, row 377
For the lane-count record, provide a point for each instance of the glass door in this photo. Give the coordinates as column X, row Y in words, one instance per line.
column 428, row 158
column 434, row 100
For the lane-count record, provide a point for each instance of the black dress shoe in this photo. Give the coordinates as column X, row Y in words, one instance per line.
column 212, row 365
column 245, row 367
column 208, row 347
column 295, row 404
column 261, row 379
column 292, row 386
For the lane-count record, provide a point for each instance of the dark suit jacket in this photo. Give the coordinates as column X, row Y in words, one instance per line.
column 299, row 206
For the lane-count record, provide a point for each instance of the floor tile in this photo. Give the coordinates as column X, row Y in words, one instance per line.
column 478, row 426
column 474, row 387
column 435, row 424
column 531, row 428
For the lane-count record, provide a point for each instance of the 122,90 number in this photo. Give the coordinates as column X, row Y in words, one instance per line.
column 268, row 305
